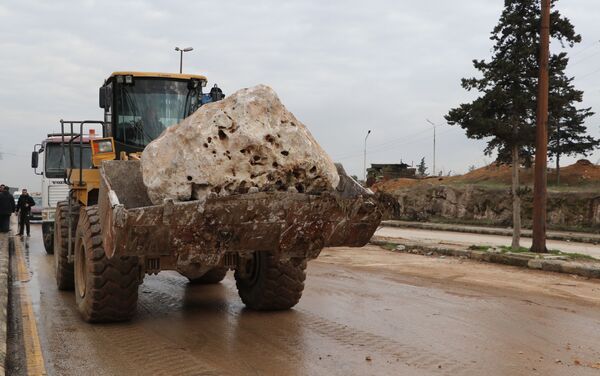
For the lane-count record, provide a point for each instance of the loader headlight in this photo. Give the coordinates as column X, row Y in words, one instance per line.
column 102, row 146
column 103, row 149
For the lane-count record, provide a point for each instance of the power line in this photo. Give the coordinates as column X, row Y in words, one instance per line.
column 400, row 138
column 588, row 74
column 391, row 147
column 585, row 58
column 594, row 44
column 387, row 143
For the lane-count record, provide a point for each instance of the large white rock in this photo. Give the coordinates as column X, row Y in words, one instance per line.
column 246, row 142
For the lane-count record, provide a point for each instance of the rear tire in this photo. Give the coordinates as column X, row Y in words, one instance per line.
column 212, row 277
column 270, row 284
column 105, row 290
column 48, row 238
column 64, row 269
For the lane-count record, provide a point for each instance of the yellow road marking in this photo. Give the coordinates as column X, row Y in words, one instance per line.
column 31, row 339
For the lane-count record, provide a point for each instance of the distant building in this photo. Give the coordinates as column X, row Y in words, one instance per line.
column 383, row 172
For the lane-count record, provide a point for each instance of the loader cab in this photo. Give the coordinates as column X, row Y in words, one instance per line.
column 139, row 106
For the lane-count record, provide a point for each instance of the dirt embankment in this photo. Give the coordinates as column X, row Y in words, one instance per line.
column 483, row 197
column 579, row 176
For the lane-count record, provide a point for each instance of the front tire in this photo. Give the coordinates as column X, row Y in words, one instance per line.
column 62, row 266
column 271, row 284
column 105, row 290
column 48, row 238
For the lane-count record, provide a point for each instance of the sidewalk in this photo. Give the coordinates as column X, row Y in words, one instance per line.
column 489, row 245
column 546, row 262
column 583, row 237
column 4, row 255
column 432, row 237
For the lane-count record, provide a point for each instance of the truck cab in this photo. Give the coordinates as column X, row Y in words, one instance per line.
column 54, row 188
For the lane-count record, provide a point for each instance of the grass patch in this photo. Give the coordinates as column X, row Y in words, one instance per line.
column 506, row 249
column 568, row 255
column 483, row 248
column 573, row 255
column 389, row 246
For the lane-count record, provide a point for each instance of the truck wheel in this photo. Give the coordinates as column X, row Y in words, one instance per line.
column 213, row 276
column 48, row 238
column 105, row 290
column 64, row 269
column 270, row 284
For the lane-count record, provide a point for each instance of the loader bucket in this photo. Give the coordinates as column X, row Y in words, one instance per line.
column 286, row 224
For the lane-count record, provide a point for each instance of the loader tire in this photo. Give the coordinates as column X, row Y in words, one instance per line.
column 48, row 239
column 62, row 267
column 212, row 277
column 270, row 284
column 105, row 290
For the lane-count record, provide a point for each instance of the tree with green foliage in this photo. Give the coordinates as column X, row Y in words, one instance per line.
column 505, row 113
column 421, row 168
column 567, row 132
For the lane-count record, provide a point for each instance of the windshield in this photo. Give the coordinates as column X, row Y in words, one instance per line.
column 56, row 162
column 37, row 200
column 145, row 108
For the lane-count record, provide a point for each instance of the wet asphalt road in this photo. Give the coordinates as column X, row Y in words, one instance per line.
column 364, row 312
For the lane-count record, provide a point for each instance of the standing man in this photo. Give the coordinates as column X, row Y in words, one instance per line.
column 24, row 211
column 7, row 207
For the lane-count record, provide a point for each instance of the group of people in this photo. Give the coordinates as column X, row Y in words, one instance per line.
column 22, row 208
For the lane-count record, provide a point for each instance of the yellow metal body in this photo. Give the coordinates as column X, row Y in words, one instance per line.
column 90, row 180
column 98, row 157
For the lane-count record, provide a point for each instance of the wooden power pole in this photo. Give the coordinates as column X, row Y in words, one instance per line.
column 541, row 150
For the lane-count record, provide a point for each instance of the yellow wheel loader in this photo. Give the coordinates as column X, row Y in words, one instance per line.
column 109, row 235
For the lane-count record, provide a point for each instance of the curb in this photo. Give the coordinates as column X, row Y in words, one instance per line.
column 573, row 237
column 4, row 257
column 513, row 259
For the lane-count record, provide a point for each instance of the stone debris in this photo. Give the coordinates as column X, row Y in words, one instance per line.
column 248, row 142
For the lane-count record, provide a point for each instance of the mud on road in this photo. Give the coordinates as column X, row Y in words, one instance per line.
column 364, row 312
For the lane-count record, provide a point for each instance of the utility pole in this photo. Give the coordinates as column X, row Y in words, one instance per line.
column 365, row 158
column 558, row 152
column 434, row 125
column 541, row 150
column 181, row 51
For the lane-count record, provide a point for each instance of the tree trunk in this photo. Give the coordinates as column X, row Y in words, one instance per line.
column 557, row 168
column 516, row 199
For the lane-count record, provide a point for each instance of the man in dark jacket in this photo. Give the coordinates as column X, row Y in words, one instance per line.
column 7, row 207
column 24, row 206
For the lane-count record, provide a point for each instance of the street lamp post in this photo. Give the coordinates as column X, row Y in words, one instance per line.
column 365, row 158
column 434, row 125
column 181, row 51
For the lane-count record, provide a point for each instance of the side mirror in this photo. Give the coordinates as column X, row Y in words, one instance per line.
column 105, row 97
column 102, row 97
column 34, row 159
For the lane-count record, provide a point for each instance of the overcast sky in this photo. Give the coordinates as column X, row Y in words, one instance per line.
column 342, row 67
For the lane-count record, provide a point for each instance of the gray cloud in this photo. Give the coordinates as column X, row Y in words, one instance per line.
column 341, row 66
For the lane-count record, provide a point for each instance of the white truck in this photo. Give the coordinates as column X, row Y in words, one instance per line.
column 54, row 186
